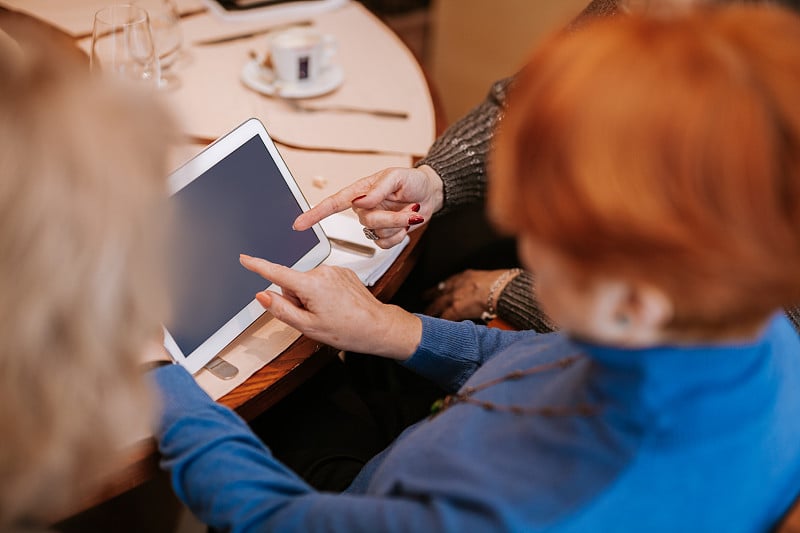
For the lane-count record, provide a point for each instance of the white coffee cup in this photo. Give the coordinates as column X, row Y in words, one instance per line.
column 300, row 55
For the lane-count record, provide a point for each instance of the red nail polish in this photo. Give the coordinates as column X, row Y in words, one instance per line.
column 415, row 207
column 358, row 198
column 413, row 220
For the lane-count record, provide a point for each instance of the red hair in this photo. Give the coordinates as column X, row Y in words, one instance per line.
column 664, row 151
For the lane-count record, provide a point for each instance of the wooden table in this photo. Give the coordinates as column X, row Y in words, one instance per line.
column 305, row 356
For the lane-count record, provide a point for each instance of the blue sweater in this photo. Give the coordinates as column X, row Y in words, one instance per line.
column 703, row 438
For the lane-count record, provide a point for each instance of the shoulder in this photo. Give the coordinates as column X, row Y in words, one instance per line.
column 499, row 90
column 596, row 8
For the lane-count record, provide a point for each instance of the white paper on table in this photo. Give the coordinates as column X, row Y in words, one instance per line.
column 368, row 269
column 276, row 12
column 262, row 342
column 76, row 17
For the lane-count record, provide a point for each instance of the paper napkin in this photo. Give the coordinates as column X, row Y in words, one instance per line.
column 368, row 269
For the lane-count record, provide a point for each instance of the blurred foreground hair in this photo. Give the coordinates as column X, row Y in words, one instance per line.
column 82, row 191
column 665, row 150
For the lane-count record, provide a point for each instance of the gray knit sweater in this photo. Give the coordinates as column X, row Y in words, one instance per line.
column 460, row 158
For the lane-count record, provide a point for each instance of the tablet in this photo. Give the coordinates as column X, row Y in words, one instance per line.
column 237, row 196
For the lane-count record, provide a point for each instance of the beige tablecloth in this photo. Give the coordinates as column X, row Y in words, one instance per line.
column 380, row 72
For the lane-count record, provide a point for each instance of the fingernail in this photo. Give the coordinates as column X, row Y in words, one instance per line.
column 264, row 299
column 413, row 220
column 358, row 198
column 244, row 257
column 415, row 207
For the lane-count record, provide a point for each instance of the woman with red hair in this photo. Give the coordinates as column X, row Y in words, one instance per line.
column 651, row 172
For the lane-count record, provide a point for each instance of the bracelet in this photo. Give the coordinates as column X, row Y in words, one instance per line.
column 495, row 290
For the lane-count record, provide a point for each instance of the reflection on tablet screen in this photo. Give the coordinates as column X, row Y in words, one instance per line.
column 240, row 205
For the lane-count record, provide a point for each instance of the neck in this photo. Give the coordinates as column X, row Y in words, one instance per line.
column 684, row 336
column 721, row 334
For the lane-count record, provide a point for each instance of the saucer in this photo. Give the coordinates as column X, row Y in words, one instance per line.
column 261, row 79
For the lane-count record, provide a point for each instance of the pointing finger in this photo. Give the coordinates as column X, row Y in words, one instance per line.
column 366, row 193
column 327, row 207
column 277, row 274
column 334, row 203
column 283, row 309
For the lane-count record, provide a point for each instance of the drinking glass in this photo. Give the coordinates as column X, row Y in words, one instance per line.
column 122, row 45
column 167, row 37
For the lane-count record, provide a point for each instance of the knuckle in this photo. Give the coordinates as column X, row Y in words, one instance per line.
column 349, row 274
column 323, row 271
column 370, row 218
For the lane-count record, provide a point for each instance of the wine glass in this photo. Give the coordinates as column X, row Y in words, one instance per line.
column 167, row 37
column 122, row 45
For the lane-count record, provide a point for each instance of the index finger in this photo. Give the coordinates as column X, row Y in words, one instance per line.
column 334, row 203
column 280, row 275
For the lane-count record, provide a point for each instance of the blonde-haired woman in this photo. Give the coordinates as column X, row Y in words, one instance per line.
column 82, row 171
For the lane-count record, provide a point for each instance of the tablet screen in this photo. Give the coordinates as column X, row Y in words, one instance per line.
column 242, row 204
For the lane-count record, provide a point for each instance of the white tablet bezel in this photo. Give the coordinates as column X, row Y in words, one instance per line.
column 187, row 173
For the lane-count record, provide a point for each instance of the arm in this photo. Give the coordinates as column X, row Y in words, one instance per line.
column 229, row 479
column 395, row 201
column 459, row 157
column 330, row 304
column 467, row 295
column 452, row 174
column 450, row 352
column 518, row 306
column 793, row 313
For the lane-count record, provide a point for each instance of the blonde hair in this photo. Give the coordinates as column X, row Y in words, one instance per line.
column 82, row 196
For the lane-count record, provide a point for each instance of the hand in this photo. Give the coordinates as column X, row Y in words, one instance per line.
column 331, row 305
column 463, row 295
column 392, row 202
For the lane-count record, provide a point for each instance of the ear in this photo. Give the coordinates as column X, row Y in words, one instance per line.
column 632, row 314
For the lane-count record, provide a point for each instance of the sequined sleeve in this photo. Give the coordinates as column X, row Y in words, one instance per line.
column 460, row 155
